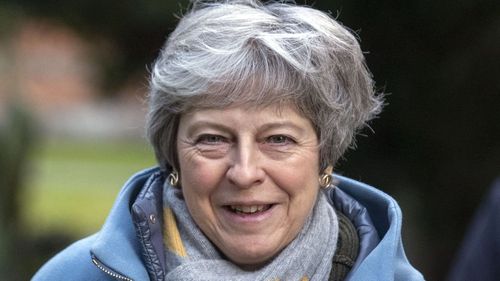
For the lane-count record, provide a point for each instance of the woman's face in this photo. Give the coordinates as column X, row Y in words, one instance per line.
column 249, row 177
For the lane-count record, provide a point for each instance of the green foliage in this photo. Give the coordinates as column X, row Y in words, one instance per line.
column 16, row 139
column 74, row 183
column 10, row 13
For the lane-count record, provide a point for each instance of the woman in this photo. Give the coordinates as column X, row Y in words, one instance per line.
column 251, row 105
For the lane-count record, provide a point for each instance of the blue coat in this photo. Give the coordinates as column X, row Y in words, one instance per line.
column 130, row 244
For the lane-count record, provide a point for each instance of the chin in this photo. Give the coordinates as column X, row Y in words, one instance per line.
column 251, row 256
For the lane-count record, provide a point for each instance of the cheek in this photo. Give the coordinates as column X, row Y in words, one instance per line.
column 301, row 190
column 299, row 179
column 199, row 177
column 300, row 174
column 197, row 184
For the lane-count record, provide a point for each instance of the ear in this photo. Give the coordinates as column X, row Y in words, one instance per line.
column 326, row 178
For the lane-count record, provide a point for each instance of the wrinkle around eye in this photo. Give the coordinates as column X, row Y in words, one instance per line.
column 187, row 149
column 211, row 139
column 289, row 147
column 191, row 150
column 280, row 140
column 210, row 146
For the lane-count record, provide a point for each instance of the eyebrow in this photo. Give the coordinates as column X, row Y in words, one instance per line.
column 202, row 124
column 281, row 124
column 265, row 127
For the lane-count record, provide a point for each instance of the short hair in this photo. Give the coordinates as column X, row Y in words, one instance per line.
column 244, row 52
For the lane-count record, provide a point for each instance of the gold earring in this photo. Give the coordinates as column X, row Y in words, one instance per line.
column 173, row 178
column 326, row 179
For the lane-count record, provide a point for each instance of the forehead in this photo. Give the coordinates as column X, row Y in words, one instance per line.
column 277, row 109
column 244, row 116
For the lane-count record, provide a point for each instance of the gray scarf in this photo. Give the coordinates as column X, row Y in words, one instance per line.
column 191, row 256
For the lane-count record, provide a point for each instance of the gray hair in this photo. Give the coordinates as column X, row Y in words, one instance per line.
column 243, row 52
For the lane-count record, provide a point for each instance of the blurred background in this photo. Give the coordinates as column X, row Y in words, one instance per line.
column 73, row 79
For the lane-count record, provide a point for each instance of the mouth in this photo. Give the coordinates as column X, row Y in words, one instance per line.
column 248, row 209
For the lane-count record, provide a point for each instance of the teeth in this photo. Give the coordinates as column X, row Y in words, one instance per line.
column 248, row 209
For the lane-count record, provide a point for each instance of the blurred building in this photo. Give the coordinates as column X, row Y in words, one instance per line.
column 56, row 74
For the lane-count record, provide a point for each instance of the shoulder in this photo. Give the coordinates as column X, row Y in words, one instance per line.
column 73, row 263
column 378, row 219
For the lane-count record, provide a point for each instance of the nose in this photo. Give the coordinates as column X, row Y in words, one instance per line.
column 245, row 169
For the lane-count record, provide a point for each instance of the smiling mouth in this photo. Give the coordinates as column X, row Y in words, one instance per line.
column 248, row 210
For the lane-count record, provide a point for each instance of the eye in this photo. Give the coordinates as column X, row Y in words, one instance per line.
column 210, row 139
column 212, row 146
column 280, row 140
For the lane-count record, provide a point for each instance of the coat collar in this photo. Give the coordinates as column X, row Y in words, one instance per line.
column 116, row 245
column 387, row 260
